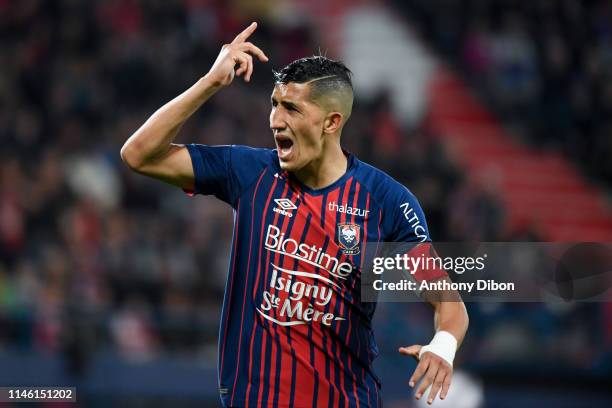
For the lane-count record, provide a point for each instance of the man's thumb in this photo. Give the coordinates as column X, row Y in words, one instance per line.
column 411, row 351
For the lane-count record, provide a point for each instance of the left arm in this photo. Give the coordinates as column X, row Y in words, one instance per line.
column 435, row 361
column 408, row 225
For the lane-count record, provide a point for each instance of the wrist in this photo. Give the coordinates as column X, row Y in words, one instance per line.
column 444, row 345
column 211, row 82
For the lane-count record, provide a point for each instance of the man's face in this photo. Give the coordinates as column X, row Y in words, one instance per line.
column 297, row 124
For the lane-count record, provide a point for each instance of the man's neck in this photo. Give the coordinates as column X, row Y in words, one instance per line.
column 325, row 171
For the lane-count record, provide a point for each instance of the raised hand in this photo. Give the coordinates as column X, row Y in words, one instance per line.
column 236, row 58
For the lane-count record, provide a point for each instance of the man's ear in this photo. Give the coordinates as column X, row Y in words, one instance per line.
column 332, row 122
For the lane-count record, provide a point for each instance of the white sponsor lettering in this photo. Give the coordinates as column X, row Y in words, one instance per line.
column 295, row 297
column 413, row 220
column 297, row 289
column 311, row 254
column 345, row 209
column 282, row 212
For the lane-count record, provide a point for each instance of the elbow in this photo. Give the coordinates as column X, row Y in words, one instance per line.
column 130, row 157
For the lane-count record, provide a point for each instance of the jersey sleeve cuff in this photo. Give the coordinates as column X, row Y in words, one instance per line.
column 196, row 162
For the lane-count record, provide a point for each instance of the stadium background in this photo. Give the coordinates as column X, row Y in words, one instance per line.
column 496, row 114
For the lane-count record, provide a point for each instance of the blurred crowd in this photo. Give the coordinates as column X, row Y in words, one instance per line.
column 95, row 257
column 544, row 66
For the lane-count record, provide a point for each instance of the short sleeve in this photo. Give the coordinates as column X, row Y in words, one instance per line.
column 407, row 218
column 408, row 226
column 225, row 171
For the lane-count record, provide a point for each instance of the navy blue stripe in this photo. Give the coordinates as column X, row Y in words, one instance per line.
column 369, row 308
column 242, row 284
column 262, row 329
column 259, row 204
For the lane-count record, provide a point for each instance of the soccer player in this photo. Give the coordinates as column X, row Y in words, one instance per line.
column 294, row 332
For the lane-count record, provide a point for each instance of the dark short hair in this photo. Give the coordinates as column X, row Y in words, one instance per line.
column 315, row 67
column 328, row 76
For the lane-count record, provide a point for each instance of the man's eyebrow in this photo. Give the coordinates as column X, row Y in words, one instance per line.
column 285, row 103
column 289, row 104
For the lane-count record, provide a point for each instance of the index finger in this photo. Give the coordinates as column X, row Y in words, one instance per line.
column 245, row 34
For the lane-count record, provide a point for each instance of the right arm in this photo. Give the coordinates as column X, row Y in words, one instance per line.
column 150, row 150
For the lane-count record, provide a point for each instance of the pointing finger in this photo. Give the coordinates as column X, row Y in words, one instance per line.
column 245, row 34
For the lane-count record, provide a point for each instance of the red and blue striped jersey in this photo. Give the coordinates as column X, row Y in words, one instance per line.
column 294, row 332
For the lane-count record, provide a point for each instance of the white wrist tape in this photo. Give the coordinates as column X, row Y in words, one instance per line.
column 443, row 345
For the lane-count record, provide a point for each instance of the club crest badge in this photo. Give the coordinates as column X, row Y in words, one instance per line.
column 348, row 238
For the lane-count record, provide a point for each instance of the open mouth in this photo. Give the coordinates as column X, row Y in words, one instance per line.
column 285, row 146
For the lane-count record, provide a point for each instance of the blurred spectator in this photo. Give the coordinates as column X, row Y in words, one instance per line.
column 544, row 66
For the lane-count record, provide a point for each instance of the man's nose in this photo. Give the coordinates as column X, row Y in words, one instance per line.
column 276, row 120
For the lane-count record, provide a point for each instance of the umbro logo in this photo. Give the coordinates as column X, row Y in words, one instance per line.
column 285, row 205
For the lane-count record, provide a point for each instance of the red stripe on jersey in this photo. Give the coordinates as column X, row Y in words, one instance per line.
column 304, row 372
column 316, row 335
